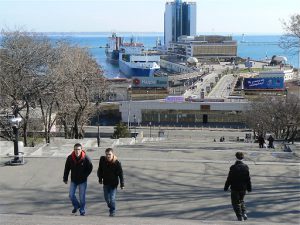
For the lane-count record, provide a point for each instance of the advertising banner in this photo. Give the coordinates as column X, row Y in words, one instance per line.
column 175, row 99
column 264, row 83
column 157, row 82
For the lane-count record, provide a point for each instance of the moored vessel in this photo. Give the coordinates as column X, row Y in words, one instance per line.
column 134, row 61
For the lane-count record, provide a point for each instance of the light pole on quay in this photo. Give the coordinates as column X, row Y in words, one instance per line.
column 134, row 120
column 128, row 114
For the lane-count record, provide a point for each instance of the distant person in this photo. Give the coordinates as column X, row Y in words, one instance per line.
column 271, row 140
column 81, row 167
column 109, row 173
column 286, row 148
column 261, row 141
column 239, row 181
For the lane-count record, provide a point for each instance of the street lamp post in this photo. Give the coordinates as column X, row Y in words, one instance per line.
column 134, row 120
column 150, row 128
column 128, row 114
column 15, row 126
column 98, row 134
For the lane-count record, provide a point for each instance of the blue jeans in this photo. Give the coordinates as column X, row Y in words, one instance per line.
column 72, row 196
column 110, row 197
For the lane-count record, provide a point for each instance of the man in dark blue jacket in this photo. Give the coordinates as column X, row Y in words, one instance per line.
column 239, row 181
column 109, row 173
column 81, row 167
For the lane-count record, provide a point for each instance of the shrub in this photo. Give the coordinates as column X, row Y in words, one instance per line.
column 121, row 131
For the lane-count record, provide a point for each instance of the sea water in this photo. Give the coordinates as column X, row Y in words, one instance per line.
column 257, row 47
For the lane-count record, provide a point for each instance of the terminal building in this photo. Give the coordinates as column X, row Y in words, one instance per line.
column 205, row 47
column 183, row 113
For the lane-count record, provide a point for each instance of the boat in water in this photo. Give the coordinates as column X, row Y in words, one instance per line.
column 112, row 48
column 134, row 61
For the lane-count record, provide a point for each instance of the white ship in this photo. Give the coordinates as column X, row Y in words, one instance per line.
column 135, row 62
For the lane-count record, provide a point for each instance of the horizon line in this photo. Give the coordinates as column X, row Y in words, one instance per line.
column 158, row 32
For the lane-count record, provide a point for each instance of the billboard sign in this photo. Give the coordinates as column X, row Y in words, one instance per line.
column 158, row 82
column 264, row 83
column 175, row 99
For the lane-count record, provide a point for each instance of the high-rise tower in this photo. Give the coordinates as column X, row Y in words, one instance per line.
column 180, row 19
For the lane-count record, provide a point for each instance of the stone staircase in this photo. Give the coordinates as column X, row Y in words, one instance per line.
column 17, row 219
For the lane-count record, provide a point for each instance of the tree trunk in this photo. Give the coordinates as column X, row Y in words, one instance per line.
column 66, row 130
column 25, row 126
column 75, row 127
column 25, row 134
column 75, row 130
column 48, row 137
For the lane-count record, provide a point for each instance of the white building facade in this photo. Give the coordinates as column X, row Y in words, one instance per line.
column 161, row 112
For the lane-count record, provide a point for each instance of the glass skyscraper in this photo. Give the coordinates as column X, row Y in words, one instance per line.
column 180, row 19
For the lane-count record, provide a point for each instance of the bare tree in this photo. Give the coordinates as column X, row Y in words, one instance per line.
column 81, row 77
column 24, row 61
column 276, row 115
column 5, row 128
column 61, row 79
column 47, row 102
column 291, row 39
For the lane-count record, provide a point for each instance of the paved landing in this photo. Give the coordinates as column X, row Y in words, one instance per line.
column 175, row 180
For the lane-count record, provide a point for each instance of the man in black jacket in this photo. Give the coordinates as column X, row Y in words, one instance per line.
column 261, row 141
column 81, row 167
column 271, row 140
column 239, row 181
column 109, row 172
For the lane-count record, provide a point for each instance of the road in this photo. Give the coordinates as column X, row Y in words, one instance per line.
column 223, row 87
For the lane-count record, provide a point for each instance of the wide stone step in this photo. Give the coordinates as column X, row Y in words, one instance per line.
column 17, row 219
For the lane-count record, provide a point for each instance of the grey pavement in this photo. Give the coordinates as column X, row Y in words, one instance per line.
column 96, row 220
column 178, row 179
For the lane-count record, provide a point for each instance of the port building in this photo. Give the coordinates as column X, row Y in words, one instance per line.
column 205, row 46
column 180, row 112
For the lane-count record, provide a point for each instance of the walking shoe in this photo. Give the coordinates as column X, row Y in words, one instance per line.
column 240, row 219
column 111, row 214
column 82, row 214
column 74, row 210
column 245, row 217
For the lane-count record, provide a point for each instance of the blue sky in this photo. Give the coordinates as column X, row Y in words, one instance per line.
column 213, row 16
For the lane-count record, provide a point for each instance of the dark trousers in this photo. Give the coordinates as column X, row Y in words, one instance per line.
column 271, row 145
column 237, row 201
column 261, row 145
